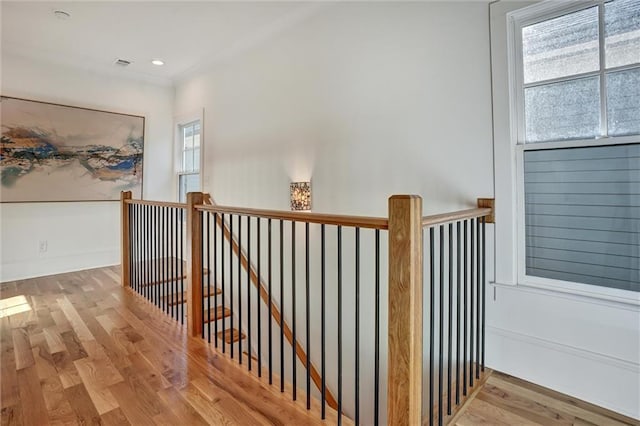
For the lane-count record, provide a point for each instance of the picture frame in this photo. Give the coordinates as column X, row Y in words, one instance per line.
column 51, row 152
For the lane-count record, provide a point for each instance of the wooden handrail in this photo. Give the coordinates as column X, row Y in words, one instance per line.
column 439, row 219
column 327, row 219
column 156, row 203
column 264, row 295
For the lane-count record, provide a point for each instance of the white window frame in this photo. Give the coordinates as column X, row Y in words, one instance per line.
column 515, row 21
column 180, row 122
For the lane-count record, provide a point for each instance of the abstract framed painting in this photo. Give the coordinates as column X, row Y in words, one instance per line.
column 52, row 152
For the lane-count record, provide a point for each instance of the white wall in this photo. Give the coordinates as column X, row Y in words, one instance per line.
column 367, row 100
column 579, row 345
column 81, row 235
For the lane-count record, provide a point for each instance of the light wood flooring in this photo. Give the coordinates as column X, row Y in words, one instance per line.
column 77, row 348
column 506, row 400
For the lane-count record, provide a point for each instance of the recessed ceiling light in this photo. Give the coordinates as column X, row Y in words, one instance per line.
column 61, row 14
column 157, row 62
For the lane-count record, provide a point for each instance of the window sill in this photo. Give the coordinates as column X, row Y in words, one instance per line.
column 588, row 293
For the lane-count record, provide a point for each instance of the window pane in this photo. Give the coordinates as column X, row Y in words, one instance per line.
column 560, row 111
column 623, row 102
column 188, row 183
column 582, row 215
column 196, row 159
column 562, row 46
column 188, row 163
column 622, row 32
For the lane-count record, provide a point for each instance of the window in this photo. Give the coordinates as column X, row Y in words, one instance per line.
column 189, row 173
column 577, row 111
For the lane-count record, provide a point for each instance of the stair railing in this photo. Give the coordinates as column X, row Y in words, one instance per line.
column 234, row 249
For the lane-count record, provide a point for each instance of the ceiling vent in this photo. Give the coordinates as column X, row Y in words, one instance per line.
column 122, row 62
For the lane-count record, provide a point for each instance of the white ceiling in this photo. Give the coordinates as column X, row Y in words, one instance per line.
column 186, row 35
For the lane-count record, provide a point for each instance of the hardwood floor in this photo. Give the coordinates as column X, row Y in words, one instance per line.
column 506, row 400
column 77, row 348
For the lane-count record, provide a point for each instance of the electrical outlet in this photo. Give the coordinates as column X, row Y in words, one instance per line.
column 43, row 246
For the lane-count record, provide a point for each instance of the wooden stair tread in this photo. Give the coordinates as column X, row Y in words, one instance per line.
column 226, row 335
column 218, row 313
column 172, row 271
column 182, row 298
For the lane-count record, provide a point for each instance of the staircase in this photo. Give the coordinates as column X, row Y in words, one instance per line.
column 173, row 262
column 167, row 288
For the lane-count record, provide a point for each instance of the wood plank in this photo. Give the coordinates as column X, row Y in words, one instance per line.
column 219, row 313
column 11, row 415
column 404, row 404
column 178, row 299
column 74, row 319
column 31, row 397
column 180, row 408
column 482, row 413
column 54, row 340
column 22, row 349
column 135, row 411
column 508, row 400
column 82, row 405
column 231, row 335
column 554, row 400
column 222, row 397
column 115, row 417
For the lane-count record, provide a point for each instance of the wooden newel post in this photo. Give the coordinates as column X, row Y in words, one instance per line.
column 194, row 264
column 125, row 242
column 405, row 311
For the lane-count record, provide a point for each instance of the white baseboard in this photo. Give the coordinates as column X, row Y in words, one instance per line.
column 43, row 266
column 597, row 378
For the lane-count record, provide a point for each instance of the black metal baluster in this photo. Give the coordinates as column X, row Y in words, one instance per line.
column 165, row 283
column 181, row 225
column 208, row 318
column 376, row 391
column 357, row 354
column 339, row 325
column 464, row 313
column 172, row 255
column 259, row 290
column 472, row 303
column 270, row 300
column 224, row 285
column 281, row 306
column 249, row 292
column 458, row 312
column 450, row 326
column 130, row 232
column 432, row 318
column 293, row 309
column 441, row 327
column 200, row 214
column 239, row 292
column 154, row 254
column 478, row 298
column 322, row 318
column 307, row 307
column 215, row 279
column 224, row 331
column 147, row 254
column 484, row 306
column 158, row 286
